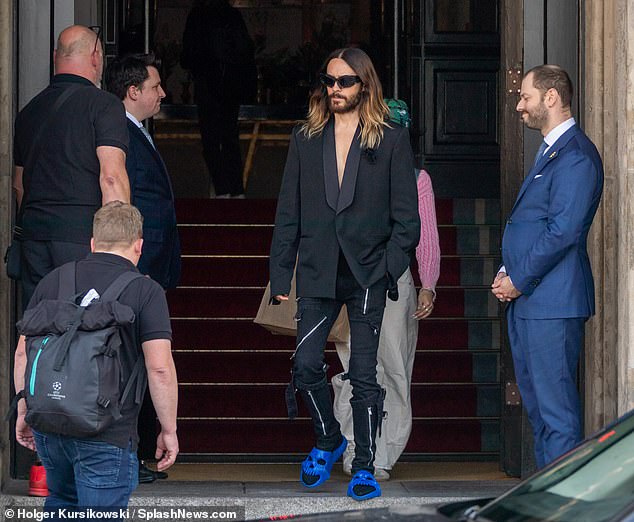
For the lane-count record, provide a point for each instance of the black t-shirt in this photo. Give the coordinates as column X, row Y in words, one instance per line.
column 61, row 187
column 147, row 300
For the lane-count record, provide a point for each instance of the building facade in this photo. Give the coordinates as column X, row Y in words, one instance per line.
column 593, row 39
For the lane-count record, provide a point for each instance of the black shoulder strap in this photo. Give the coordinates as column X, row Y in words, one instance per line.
column 35, row 141
column 66, row 288
column 138, row 377
column 115, row 289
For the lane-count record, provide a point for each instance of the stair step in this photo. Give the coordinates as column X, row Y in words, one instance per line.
column 274, row 367
column 227, row 240
column 471, row 211
column 219, row 334
column 240, row 370
column 267, row 401
column 229, row 211
column 277, row 436
column 244, row 302
column 256, row 239
column 262, row 211
column 254, row 271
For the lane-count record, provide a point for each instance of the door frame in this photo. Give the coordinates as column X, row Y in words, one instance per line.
column 513, row 423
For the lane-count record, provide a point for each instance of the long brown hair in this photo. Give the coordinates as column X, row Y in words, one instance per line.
column 373, row 111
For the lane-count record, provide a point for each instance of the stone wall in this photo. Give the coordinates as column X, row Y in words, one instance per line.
column 7, row 99
column 608, row 101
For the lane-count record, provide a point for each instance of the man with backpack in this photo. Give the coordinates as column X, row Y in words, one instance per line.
column 88, row 447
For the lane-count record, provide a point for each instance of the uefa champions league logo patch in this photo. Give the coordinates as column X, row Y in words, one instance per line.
column 56, row 395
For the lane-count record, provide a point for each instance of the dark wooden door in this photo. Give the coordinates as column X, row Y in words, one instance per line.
column 532, row 33
column 454, row 59
column 452, row 80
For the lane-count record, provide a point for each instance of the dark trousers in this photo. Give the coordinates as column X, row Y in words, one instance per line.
column 218, row 121
column 315, row 317
column 545, row 357
column 41, row 257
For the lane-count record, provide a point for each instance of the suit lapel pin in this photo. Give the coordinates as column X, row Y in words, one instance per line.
column 552, row 155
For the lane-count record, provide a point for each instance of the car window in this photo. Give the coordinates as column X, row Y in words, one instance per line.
column 615, row 470
column 592, row 484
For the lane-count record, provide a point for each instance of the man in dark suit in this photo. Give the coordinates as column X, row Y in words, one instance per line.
column 136, row 81
column 347, row 215
column 546, row 275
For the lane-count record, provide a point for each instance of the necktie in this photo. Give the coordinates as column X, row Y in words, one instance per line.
column 147, row 135
column 540, row 152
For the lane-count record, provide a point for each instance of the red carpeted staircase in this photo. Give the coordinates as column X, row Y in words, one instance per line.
column 232, row 372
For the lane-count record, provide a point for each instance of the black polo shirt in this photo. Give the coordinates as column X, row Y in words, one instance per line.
column 61, row 189
column 147, row 300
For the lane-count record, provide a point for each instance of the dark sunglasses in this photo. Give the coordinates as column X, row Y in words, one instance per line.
column 344, row 81
column 97, row 30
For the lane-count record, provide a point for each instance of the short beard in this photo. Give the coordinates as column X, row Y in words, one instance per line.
column 538, row 119
column 349, row 106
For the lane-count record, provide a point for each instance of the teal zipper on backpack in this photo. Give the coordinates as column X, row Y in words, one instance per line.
column 34, row 368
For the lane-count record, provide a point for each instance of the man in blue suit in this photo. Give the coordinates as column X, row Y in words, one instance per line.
column 135, row 80
column 546, row 275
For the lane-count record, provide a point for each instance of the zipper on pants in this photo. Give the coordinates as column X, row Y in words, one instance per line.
column 311, row 332
column 323, row 426
column 370, row 434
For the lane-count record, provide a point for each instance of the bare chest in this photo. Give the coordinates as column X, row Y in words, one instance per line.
column 343, row 141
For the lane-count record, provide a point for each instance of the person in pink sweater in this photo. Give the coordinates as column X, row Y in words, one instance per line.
column 397, row 346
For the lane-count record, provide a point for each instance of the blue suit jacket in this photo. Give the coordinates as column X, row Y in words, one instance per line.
column 152, row 194
column 544, row 248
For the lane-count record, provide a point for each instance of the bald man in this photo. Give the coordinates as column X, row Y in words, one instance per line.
column 70, row 148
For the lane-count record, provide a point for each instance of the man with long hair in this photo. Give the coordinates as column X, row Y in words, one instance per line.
column 347, row 215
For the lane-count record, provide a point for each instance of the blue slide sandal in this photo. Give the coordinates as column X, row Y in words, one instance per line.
column 318, row 465
column 365, row 484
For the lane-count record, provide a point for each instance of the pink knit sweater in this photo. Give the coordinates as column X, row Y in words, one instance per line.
column 428, row 249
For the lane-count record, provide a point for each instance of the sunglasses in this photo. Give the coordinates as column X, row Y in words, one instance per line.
column 97, row 30
column 344, row 81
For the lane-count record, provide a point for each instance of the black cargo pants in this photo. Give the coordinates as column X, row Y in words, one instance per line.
column 315, row 317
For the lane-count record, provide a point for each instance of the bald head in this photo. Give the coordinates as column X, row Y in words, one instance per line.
column 76, row 53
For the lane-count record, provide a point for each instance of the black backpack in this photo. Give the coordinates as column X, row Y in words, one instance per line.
column 72, row 382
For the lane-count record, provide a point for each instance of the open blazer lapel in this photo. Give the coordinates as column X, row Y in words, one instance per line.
column 331, row 180
column 349, row 182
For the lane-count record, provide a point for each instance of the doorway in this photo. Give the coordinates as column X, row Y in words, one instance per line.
column 442, row 58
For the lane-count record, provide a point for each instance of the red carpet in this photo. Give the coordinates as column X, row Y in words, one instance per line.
column 232, row 373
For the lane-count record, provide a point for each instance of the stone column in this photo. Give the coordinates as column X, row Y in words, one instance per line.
column 7, row 99
column 608, row 117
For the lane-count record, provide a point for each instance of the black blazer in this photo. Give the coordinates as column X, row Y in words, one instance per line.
column 151, row 192
column 373, row 219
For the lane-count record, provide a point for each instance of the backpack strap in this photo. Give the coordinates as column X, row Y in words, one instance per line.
column 67, row 288
column 138, row 375
column 116, row 288
column 13, row 407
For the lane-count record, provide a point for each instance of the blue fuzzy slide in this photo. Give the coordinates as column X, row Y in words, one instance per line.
column 366, row 481
column 318, row 465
